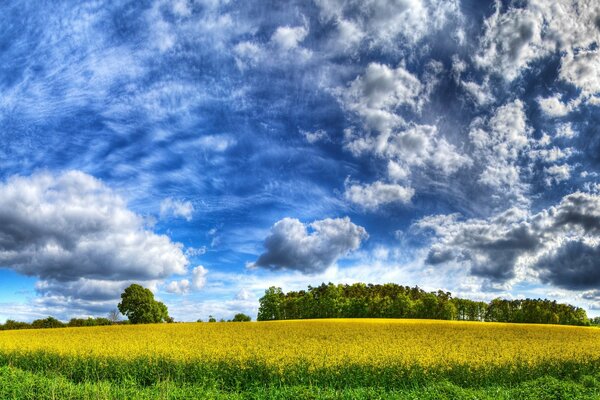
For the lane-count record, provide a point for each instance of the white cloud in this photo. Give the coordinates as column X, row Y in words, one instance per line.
column 316, row 136
column 79, row 238
column 515, row 38
column 498, row 144
column 385, row 23
column 287, row 38
column 510, row 42
column 176, row 208
column 196, row 282
column 291, row 245
column 216, row 143
column 376, row 95
column 481, row 94
column 565, row 131
column 557, row 174
column 199, row 277
column 377, row 194
column 581, row 70
column 554, row 107
column 178, row 287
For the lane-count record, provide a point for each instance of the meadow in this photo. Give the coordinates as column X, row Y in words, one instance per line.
column 339, row 358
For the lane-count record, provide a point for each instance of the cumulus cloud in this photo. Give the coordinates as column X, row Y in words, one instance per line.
column 515, row 38
column 377, row 194
column 385, row 23
column 309, row 248
column 78, row 236
column 511, row 40
column 559, row 245
column 176, row 208
column 196, row 282
column 288, row 38
column 378, row 98
column 376, row 95
column 575, row 265
column 498, row 143
column 557, row 174
column 553, row 106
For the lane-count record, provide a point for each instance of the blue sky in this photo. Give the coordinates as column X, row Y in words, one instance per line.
column 210, row 149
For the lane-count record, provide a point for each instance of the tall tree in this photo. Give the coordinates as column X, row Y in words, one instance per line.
column 138, row 304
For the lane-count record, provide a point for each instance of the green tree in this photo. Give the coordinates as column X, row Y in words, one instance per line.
column 270, row 304
column 49, row 322
column 138, row 304
column 240, row 317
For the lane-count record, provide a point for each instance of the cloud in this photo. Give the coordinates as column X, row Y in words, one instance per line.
column 575, row 266
column 384, row 24
column 79, row 238
column 376, row 95
column 309, row 248
column 511, row 40
column 287, row 38
column 553, row 106
column 557, row 174
column 515, row 240
column 498, row 144
column 196, row 282
column 176, row 208
column 521, row 35
column 377, row 194
column 316, row 136
column 380, row 98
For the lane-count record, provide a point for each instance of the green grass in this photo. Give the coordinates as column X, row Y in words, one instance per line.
column 229, row 376
column 41, row 375
column 17, row 384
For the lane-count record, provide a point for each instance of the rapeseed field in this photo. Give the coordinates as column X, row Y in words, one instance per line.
column 382, row 354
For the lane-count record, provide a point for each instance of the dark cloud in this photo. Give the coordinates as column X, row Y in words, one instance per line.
column 290, row 244
column 579, row 210
column 574, row 266
column 495, row 246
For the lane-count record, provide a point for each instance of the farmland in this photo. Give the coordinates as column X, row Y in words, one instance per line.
column 336, row 358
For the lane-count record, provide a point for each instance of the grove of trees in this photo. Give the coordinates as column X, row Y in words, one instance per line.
column 390, row 300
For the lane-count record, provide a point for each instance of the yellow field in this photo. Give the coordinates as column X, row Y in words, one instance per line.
column 322, row 343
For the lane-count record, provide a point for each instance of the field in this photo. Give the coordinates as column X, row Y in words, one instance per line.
column 374, row 358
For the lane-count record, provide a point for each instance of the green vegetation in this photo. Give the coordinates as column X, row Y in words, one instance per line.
column 35, row 382
column 390, row 300
column 138, row 304
column 52, row 322
column 240, row 317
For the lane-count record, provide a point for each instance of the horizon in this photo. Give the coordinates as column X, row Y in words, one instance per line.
column 211, row 149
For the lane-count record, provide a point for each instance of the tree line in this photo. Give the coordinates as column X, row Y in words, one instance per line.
column 391, row 300
column 137, row 304
column 52, row 322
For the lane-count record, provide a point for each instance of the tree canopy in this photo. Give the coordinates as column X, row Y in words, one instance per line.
column 390, row 300
column 138, row 304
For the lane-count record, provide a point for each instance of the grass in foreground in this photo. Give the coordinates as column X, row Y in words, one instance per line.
column 16, row 384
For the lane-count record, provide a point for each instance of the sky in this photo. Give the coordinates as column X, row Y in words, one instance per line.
column 209, row 149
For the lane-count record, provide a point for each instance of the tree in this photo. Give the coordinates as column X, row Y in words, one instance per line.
column 49, row 322
column 270, row 304
column 211, row 319
column 114, row 316
column 240, row 317
column 138, row 304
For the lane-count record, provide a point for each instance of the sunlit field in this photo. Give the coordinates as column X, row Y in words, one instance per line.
column 357, row 355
